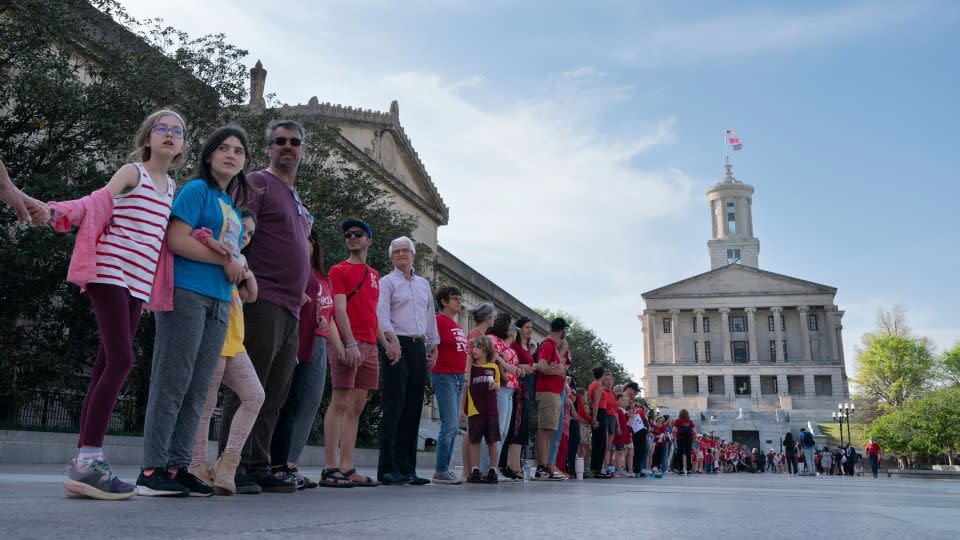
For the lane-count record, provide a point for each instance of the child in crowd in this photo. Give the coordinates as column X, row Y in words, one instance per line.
column 623, row 459
column 120, row 262
column 479, row 408
column 235, row 369
column 583, row 401
column 189, row 339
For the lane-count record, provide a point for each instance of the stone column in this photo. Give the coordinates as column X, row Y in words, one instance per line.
column 699, row 338
column 752, row 335
column 830, row 332
column 778, row 333
column 782, row 384
column 838, row 332
column 675, row 332
column 754, row 385
column 651, row 345
column 808, row 385
column 728, row 389
column 702, row 383
column 805, row 332
column 725, row 345
column 677, row 386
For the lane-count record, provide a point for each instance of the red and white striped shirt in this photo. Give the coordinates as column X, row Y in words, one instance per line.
column 128, row 251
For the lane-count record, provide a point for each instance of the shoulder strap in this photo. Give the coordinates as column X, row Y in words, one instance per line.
column 366, row 272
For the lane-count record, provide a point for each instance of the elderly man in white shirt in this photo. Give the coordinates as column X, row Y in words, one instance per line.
column 408, row 317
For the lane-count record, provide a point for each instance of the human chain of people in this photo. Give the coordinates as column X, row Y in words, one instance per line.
column 233, row 269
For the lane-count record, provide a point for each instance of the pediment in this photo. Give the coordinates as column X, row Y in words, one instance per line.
column 738, row 280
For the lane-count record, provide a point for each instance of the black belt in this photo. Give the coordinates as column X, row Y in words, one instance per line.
column 413, row 339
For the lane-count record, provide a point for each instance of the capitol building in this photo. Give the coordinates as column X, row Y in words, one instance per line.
column 752, row 354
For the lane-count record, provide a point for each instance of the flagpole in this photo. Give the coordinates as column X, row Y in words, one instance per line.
column 726, row 149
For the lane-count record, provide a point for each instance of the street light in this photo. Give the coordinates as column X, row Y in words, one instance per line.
column 847, row 410
column 838, row 418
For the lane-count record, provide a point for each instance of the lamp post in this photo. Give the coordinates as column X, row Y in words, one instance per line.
column 838, row 418
column 847, row 410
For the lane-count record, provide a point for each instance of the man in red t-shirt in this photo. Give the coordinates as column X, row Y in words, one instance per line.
column 356, row 291
column 873, row 452
column 550, row 371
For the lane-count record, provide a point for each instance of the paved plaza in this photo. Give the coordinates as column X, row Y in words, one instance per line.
column 730, row 506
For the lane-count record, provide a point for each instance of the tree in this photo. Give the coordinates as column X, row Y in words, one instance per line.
column 926, row 425
column 587, row 350
column 949, row 365
column 894, row 369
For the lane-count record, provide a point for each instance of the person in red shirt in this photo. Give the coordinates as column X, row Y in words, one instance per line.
column 873, row 452
column 613, row 426
column 550, row 372
column 598, row 439
column 519, row 435
column 447, row 378
column 356, row 291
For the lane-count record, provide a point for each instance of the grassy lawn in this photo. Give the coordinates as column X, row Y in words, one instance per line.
column 832, row 431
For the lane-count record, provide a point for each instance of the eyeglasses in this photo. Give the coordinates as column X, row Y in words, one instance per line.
column 401, row 251
column 354, row 234
column 161, row 129
column 280, row 141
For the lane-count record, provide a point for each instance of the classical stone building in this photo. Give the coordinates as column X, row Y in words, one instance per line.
column 754, row 353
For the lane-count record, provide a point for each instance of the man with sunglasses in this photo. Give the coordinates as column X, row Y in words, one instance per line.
column 277, row 255
column 356, row 291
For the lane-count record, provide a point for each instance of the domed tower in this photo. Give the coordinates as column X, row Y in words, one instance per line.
column 731, row 214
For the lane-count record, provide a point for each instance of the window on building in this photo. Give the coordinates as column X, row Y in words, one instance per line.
column 665, row 385
column 706, row 351
column 738, row 323
column 740, row 352
column 772, row 328
column 773, row 350
column 733, row 256
column 795, row 385
column 694, row 324
column 812, row 322
column 741, row 385
column 706, row 325
column 823, row 385
column 696, row 352
column 666, row 325
column 785, row 351
column 691, row 385
column 732, row 222
column 715, row 385
column 768, row 385
column 730, row 205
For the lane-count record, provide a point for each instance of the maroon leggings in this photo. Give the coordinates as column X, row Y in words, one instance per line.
column 118, row 315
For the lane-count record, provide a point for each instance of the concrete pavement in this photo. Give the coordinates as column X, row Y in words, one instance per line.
column 32, row 505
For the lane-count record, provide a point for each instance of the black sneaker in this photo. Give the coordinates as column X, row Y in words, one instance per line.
column 160, row 484
column 245, row 485
column 196, row 486
column 475, row 477
column 510, row 474
column 491, row 476
column 302, row 481
column 271, row 484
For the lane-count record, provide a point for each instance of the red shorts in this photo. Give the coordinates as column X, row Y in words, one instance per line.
column 365, row 376
column 483, row 426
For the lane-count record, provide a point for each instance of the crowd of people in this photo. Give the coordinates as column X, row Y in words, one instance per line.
column 233, row 269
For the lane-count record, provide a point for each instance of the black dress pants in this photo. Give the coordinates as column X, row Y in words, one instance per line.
column 401, row 394
column 598, row 442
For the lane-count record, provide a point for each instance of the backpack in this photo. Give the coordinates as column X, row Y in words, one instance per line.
column 808, row 439
column 686, row 432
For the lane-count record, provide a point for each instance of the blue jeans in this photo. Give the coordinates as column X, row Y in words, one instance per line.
column 665, row 465
column 447, row 390
column 558, row 434
column 504, row 414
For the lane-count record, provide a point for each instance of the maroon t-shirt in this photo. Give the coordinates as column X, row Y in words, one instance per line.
column 277, row 254
column 523, row 355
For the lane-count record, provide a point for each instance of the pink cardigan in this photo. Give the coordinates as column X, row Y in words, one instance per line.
column 92, row 214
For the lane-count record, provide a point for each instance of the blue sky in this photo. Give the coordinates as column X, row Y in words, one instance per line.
column 574, row 141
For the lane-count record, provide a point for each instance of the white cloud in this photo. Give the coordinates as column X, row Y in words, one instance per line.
column 743, row 33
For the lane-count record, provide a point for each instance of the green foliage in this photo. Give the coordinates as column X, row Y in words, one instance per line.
column 587, row 350
column 831, row 430
column 949, row 365
column 893, row 369
column 928, row 424
column 62, row 136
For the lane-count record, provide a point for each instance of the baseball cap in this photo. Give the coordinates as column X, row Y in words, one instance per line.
column 558, row 324
column 356, row 223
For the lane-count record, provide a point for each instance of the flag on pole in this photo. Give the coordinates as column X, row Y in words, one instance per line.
column 731, row 132
column 734, row 140
column 738, row 146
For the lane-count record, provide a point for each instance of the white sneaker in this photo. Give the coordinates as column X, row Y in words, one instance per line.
column 448, row 477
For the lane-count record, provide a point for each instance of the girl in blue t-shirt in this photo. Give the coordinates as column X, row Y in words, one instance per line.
column 189, row 338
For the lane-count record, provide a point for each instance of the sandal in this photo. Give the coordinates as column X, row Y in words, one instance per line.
column 333, row 478
column 366, row 482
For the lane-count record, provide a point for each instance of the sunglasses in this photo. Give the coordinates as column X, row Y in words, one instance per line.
column 280, row 141
column 161, row 129
column 354, row 234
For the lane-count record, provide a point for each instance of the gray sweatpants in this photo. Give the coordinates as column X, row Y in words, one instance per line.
column 186, row 348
